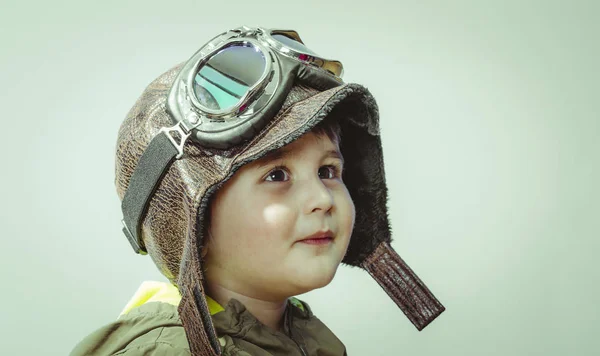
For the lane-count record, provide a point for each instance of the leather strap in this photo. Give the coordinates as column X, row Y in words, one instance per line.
column 151, row 168
column 403, row 286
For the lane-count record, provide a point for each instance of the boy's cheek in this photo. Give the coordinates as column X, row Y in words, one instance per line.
column 274, row 216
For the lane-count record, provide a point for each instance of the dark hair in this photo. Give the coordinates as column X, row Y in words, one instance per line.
column 329, row 127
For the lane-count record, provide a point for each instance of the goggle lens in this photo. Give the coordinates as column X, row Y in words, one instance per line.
column 226, row 77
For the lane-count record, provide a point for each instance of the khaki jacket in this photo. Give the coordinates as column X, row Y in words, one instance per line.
column 150, row 325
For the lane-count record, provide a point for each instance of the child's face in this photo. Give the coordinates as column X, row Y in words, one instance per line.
column 260, row 215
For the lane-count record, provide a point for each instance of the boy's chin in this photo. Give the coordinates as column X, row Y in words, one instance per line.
column 307, row 278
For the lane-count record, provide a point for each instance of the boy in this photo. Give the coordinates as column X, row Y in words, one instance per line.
column 271, row 176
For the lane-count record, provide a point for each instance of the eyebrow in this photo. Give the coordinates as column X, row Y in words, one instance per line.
column 283, row 152
column 334, row 154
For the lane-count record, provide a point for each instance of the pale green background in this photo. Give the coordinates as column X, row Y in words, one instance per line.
column 491, row 128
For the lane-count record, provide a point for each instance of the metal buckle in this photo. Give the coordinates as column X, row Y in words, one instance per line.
column 183, row 131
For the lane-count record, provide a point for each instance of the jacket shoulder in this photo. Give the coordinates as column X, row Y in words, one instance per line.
column 153, row 328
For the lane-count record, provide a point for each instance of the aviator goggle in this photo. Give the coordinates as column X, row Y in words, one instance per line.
column 223, row 95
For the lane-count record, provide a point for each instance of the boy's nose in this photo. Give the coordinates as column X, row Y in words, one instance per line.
column 317, row 197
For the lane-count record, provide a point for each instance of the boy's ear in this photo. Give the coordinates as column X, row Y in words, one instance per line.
column 207, row 240
column 205, row 243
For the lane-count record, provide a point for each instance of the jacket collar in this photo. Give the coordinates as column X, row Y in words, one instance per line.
column 302, row 333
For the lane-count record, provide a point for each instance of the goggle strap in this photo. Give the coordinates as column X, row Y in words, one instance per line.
column 144, row 181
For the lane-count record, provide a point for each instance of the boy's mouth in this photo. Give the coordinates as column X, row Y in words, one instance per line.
column 318, row 238
column 324, row 241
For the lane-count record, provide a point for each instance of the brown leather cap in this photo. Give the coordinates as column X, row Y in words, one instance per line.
column 173, row 225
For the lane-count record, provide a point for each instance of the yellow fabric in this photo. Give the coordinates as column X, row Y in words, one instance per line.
column 296, row 302
column 213, row 306
column 153, row 291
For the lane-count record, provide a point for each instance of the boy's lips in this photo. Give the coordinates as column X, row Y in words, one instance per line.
column 318, row 238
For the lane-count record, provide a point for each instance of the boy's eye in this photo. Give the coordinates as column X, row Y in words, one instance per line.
column 327, row 172
column 277, row 175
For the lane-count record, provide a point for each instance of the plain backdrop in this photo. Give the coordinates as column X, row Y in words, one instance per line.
column 490, row 125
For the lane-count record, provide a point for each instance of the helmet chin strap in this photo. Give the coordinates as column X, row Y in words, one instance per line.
column 402, row 285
